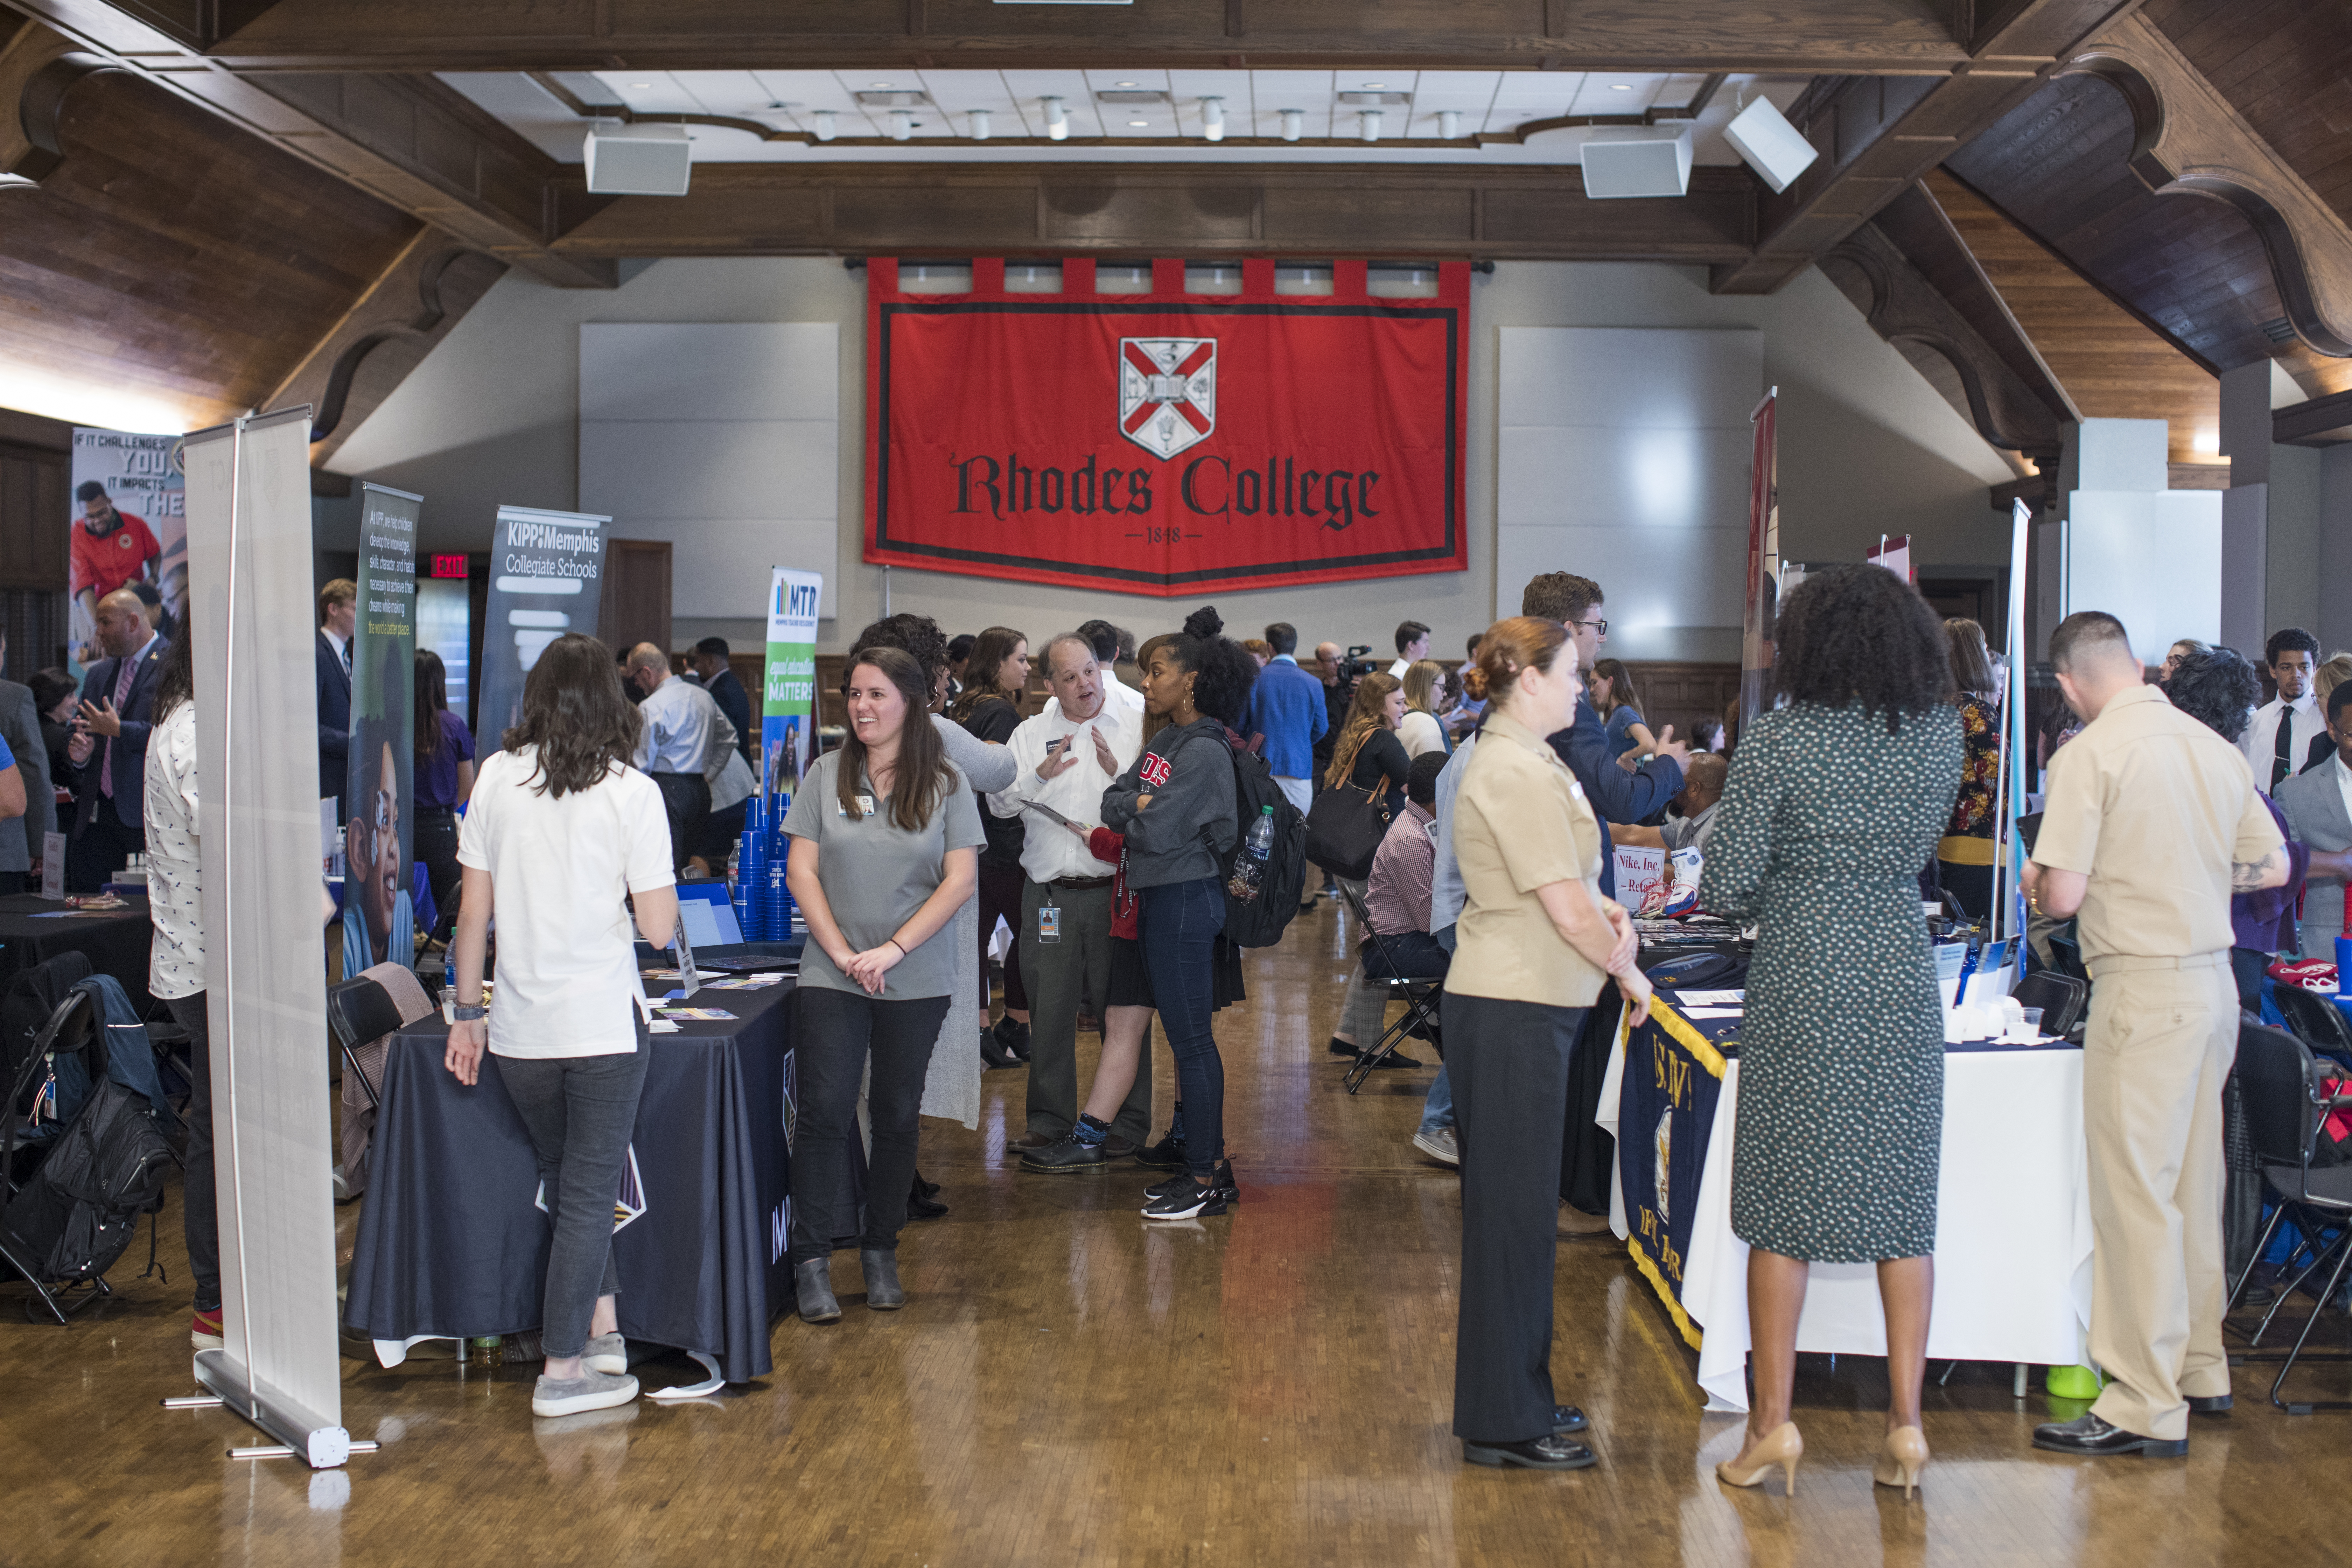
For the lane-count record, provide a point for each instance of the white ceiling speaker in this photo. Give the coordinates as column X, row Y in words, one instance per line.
column 1294, row 122
column 638, row 160
column 979, row 125
column 822, row 122
column 1637, row 160
column 1371, row 118
column 1775, row 149
column 1449, row 123
column 1212, row 118
column 902, row 125
column 1057, row 119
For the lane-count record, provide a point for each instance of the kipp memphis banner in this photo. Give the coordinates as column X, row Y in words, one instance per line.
column 547, row 578
column 134, row 529
column 788, row 705
column 379, row 904
column 1166, row 442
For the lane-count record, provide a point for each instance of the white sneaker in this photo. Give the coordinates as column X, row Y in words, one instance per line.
column 606, row 1354
column 1439, row 1146
column 589, row 1391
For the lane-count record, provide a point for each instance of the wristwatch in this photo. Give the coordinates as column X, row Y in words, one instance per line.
column 468, row 1014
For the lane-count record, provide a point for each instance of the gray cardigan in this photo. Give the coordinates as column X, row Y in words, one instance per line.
column 20, row 726
column 1187, row 771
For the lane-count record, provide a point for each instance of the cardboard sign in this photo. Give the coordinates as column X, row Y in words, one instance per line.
column 1640, row 873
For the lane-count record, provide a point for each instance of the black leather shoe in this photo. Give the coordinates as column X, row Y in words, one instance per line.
column 1118, row 1148
column 1340, row 1048
column 2094, row 1438
column 1553, row 1453
column 921, row 1204
column 1567, row 1418
column 2208, row 1404
column 1061, row 1157
column 1013, row 1035
column 883, row 1291
column 993, row 1053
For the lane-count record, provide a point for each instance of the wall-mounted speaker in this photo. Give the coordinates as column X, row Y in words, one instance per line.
column 639, row 160
column 1775, row 149
column 1637, row 160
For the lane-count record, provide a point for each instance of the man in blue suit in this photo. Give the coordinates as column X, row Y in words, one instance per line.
column 110, row 744
column 1287, row 707
column 338, row 611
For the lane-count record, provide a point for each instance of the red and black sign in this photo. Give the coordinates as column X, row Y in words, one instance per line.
column 1166, row 442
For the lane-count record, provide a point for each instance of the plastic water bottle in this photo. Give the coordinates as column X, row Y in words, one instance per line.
column 1249, row 866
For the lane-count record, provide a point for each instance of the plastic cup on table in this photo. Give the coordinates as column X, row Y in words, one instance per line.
column 2032, row 1022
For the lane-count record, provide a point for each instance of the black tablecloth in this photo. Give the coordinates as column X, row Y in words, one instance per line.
column 451, row 1241
column 116, row 943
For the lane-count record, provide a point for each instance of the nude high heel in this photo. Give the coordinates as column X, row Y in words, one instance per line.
column 1900, row 1462
column 1783, row 1445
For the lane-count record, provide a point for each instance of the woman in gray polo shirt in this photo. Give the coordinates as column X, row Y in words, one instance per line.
column 884, row 835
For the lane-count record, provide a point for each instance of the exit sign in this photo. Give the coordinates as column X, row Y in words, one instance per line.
column 449, row 567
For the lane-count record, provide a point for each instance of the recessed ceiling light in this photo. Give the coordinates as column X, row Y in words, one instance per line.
column 1376, row 84
column 1122, row 84
column 883, row 84
column 640, row 86
column 1621, row 86
column 1139, row 122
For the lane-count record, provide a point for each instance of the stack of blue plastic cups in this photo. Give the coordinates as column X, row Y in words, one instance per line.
column 751, row 869
column 776, row 918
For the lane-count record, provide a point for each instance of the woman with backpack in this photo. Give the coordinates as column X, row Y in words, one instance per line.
column 562, row 836
column 1369, row 756
column 1175, row 808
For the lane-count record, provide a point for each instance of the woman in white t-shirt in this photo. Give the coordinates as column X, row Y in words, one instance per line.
column 561, row 830
column 1421, row 729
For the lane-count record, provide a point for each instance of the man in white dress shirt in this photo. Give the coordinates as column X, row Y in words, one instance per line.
column 1067, row 755
column 2279, row 740
column 1412, row 646
column 680, row 721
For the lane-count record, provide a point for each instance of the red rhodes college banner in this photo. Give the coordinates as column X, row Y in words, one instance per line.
column 1166, row 443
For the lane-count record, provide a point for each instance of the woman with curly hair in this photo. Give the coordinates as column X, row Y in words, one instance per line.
column 1175, row 806
column 1963, row 855
column 2217, row 687
column 995, row 675
column 1834, row 802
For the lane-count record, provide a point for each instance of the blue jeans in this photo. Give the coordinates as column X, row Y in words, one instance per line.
column 581, row 1111
column 1437, row 1111
column 1180, row 922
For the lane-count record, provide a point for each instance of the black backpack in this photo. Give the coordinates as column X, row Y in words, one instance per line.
column 1260, row 921
column 78, row 1213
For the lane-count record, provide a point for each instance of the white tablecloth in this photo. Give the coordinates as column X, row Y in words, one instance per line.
column 2012, row 1232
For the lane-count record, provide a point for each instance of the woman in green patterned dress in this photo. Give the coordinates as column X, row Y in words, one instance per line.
column 1834, row 803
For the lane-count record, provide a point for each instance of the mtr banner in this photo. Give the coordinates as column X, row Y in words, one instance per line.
column 1166, row 442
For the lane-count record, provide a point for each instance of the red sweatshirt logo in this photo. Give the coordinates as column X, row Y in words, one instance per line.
column 1155, row 769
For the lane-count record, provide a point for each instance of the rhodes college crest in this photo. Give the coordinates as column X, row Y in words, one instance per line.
column 1166, row 392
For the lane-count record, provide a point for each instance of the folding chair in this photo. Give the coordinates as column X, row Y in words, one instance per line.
column 2314, row 1020
column 2286, row 1102
column 1419, row 993
column 2061, row 998
column 361, row 1012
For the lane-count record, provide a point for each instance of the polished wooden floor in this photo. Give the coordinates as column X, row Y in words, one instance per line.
column 1072, row 1386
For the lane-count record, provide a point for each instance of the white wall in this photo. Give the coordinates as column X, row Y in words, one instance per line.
column 1866, row 445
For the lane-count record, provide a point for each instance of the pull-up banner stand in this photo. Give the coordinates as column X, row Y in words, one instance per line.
column 1166, row 442
column 379, row 905
column 249, row 556
column 547, row 578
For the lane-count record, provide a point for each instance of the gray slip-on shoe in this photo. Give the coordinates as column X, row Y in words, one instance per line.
column 607, row 1353
column 589, row 1391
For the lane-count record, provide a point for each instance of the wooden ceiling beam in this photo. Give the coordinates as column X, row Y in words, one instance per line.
column 2190, row 142
column 1799, row 36
column 1877, row 135
column 411, row 143
column 1114, row 209
column 2321, row 422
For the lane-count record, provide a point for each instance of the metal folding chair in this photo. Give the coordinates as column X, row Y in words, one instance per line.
column 360, row 1010
column 1419, row 993
column 2314, row 1020
column 2286, row 1100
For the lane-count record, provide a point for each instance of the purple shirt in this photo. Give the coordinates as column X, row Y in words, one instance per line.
column 2263, row 920
column 437, row 780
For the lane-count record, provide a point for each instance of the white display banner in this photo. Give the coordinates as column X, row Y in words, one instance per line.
column 249, row 557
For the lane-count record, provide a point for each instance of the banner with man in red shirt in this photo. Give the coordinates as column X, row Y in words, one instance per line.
column 129, row 529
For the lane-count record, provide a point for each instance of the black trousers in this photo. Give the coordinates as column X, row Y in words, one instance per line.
column 201, row 1198
column 435, row 840
column 686, row 798
column 94, row 854
column 1508, row 1065
column 837, row 1032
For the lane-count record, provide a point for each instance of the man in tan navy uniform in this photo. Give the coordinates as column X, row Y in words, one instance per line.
column 2152, row 822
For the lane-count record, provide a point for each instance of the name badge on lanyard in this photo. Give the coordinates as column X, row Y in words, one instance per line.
column 865, row 806
column 1049, row 920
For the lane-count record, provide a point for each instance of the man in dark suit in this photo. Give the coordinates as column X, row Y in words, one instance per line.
column 20, row 727
column 717, row 677
column 338, row 605
column 110, row 744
